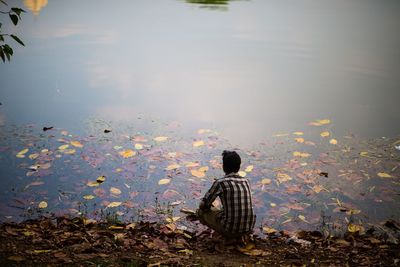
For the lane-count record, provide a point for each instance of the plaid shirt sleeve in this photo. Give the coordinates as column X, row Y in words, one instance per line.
column 212, row 194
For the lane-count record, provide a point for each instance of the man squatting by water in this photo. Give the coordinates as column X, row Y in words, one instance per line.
column 236, row 219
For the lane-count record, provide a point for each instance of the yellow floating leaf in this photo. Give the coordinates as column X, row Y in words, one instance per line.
column 301, row 154
column 88, row 197
column 172, row 167
column 352, row 228
column 249, row 168
column 164, row 181
column 198, row 143
column 298, row 133
column 92, row 183
column 114, row 204
column 117, row 147
column 266, row 181
column 115, row 191
column 242, row 173
column 324, row 134
column 191, row 164
column 63, row 147
column 323, row 122
column 333, row 141
column 203, row 169
column 42, row 205
column 202, row 131
column 127, row 153
column 33, row 156
column 364, row 154
column 272, row 204
column 76, row 144
column 101, row 179
column 197, row 173
column 23, row 151
column 299, row 140
column 384, row 175
column 283, row 177
column 161, row 138
column 287, row 221
column 138, row 146
column 281, row 134
column 69, row 151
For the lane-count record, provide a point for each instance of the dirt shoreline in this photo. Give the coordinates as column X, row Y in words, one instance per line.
column 78, row 242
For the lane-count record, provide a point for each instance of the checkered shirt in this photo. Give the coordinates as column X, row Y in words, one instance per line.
column 234, row 191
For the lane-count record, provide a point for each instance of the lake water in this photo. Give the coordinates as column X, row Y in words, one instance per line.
column 253, row 75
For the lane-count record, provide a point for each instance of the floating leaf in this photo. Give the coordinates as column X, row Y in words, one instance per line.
column 384, row 175
column 191, row 164
column 69, row 151
column 33, row 156
column 21, row 154
column 283, row 177
column 117, row 147
column 364, row 154
column 172, row 167
column 198, row 143
column 161, row 138
column 272, row 204
column 333, row 141
column 88, row 197
column 63, row 147
column 92, row 183
column 320, row 122
column 101, row 179
column 242, row 173
column 203, row 169
column 301, row 154
column 249, row 168
column 298, row 133
column 164, row 181
column 266, row 181
column 41, row 250
column 299, row 140
column 202, row 131
column 115, row 191
column 127, row 153
column 42, row 205
column 76, row 144
column 138, row 146
column 197, row 173
column 114, row 204
column 324, row 134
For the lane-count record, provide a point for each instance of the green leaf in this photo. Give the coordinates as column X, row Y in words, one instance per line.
column 17, row 10
column 7, row 49
column 17, row 39
column 2, row 54
column 14, row 19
